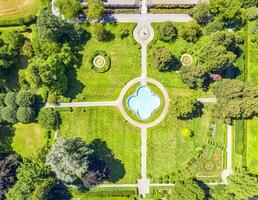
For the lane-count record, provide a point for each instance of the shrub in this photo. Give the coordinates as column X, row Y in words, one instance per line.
column 252, row 13
column 123, row 33
column 18, row 22
column 191, row 31
column 25, row 99
column 101, row 33
column 9, row 114
column 10, row 99
column 164, row 60
column 25, row 114
column 167, row 32
column 239, row 136
column 187, row 133
column 214, row 26
column 47, row 118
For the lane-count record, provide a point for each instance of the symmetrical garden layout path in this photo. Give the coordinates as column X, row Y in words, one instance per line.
column 143, row 34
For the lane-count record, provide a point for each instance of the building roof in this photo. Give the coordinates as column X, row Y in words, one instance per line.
column 174, row 2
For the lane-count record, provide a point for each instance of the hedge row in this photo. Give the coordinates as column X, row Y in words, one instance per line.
column 239, row 137
column 216, row 145
column 18, row 22
column 103, row 192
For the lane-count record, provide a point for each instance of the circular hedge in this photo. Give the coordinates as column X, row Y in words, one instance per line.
column 104, row 66
column 186, row 59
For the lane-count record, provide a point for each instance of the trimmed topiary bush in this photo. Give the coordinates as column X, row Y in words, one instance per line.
column 25, row 98
column 25, row 114
column 47, row 118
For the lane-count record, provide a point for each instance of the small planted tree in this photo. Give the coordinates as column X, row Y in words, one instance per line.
column 47, row 118
column 167, row 32
column 185, row 107
column 10, row 99
column 101, row 32
column 68, row 158
column 25, row 98
column 25, row 114
column 186, row 133
column 191, row 31
column 69, row 8
column 95, row 11
column 9, row 114
column 164, row 60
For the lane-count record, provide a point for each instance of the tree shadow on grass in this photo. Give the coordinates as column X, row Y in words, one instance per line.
column 6, row 138
column 75, row 86
column 116, row 167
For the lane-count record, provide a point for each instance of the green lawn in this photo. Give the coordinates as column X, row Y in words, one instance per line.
column 168, row 151
column 252, row 125
column 252, row 144
column 125, row 65
column 172, row 80
column 118, row 137
column 28, row 138
column 13, row 9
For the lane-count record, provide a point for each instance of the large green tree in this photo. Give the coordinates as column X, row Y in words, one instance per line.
column 187, row 189
column 242, row 184
column 8, row 167
column 164, row 60
column 68, row 158
column 191, row 31
column 167, row 32
column 25, row 114
column 47, row 118
column 201, row 12
column 195, row 76
column 185, row 107
column 30, row 174
column 235, row 100
column 215, row 57
column 69, row 8
column 229, row 11
column 95, row 10
column 25, row 98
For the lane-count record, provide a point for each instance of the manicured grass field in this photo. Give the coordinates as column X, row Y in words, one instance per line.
column 125, row 65
column 13, row 9
column 113, row 135
column 168, row 151
column 252, row 144
column 28, row 138
column 172, row 80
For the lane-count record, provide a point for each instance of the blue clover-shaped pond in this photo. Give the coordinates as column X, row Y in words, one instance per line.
column 144, row 102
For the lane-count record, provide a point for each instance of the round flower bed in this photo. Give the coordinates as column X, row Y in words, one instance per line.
column 186, row 59
column 100, row 61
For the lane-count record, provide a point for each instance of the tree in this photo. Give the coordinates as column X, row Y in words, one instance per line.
column 191, row 31
column 215, row 57
column 47, row 118
column 195, row 77
column 9, row 114
column 68, row 8
column 25, row 98
column 184, row 107
column 8, row 166
column 101, row 33
column 25, row 114
column 187, row 133
column 201, row 12
column 49, row 26
column 219, row 192
column 235, row 100
column 30, row 174
column 229, row 11
column 187, row 189
column 95, row 11
column 242, row 184
column 216, row 25
column 224, row 38
column 43, row 189
column 252, row 13
column 249, row 3
column 68, row 158
column 164, row 60
column 167, row 32
column 10, row 48
column 10, row 99
column 52, row 74
column 123, row 33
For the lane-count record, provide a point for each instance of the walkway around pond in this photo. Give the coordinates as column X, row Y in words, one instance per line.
column 143, row 34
